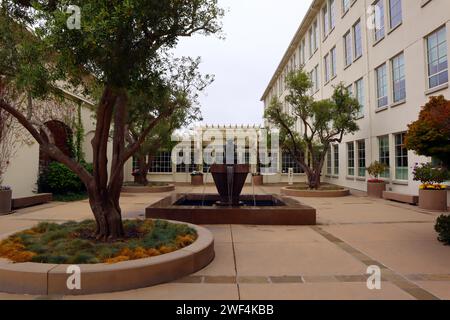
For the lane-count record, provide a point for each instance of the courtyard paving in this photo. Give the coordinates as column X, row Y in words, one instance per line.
column 327, row 261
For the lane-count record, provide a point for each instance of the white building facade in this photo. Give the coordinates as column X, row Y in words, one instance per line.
column 392, row 66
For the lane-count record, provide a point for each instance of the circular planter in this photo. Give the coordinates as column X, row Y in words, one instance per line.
column 142, row 189
column 258, row 180
column 291, row 192
column 376, row 189
column 435, row 200
column 197, row 180
column 51, row 279
column 5, row 202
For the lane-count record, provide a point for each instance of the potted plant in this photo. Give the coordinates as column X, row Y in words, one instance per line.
column 375, row 186
column 5, row 200
column 257, row 179
column 197, row 178
column 432, row 194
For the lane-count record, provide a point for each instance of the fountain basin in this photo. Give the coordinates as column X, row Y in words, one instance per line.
column 203, row 209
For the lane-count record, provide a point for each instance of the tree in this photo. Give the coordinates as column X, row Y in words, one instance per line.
column 118, row 48
column 430, row 135
column 185, row 83
column 325, row 122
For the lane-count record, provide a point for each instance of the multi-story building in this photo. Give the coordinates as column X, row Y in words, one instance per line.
column 393, row 55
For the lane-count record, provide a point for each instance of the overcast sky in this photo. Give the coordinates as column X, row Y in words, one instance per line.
column 257, row 34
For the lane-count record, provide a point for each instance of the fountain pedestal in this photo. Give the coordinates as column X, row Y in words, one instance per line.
column 230, row 180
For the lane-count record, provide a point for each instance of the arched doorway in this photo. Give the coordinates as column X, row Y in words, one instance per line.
column 62, row 136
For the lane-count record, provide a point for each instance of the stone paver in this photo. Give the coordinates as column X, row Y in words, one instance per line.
column 320, row 291
column 275, row 262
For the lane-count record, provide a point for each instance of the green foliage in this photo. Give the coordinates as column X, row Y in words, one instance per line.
column 72, row 242
column 376, row 169
column 325, row 122
column 430, row 175
column 59, row 180
column 443, row 228
column 430, row 135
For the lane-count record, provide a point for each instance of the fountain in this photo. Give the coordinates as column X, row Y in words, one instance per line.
column 229, row 206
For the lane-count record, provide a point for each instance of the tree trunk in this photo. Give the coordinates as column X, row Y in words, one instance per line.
column 141, row 178
column 108, row 216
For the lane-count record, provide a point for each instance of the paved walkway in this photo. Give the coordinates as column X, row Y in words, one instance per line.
column 328, row 261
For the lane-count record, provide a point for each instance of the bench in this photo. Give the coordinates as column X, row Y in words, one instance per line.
column 26, row 202
column 399, row 197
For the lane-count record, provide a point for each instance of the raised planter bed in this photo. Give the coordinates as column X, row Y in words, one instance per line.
column 258, row 180
column 197, row 180
column 434, row 200
column 376, row 189
column 148, row 189
column 34, row 200
column 51, row 279
column 5, row 202
column 293, row 192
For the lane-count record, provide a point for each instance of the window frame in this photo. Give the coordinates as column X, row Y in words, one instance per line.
column 437, row 47
column 351, row 159
column 402, row 77
column 361, row 159
column 401, row 157
column 385, row 155
column 386, row 86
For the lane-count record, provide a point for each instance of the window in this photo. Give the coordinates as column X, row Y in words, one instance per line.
column 329, row 162
column 361, row 158
column 315, row 36
column 398, row 77
column 317, row 78
column 181, row 168
column 162, row 163
column 357, row 39
column 401, row 157
column 336, row 159
column 348, row 48
column 302, row 52
column 359, row 95
column 350, row 90
column 395, row 13
column 383, row 143
column 311, row 46
column 288, row 162
column 326, row 21
column 351, row 159
column 379, row 20
column 437, row 58
column 332, row 14
column 381, row 86
column 326, row 63
column 333, row 62
column 313, row 81
column 345, row 5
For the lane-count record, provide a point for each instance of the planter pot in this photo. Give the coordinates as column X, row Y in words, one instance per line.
column 376, row 189
column 5, row 202
column 435, row 200
column 258, row 180
column 197, row 180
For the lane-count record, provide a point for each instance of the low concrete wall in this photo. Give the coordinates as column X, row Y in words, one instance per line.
column 158, row 189
column 314, row 194
column 51, row 279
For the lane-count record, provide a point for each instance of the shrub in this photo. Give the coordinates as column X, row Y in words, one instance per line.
column 60, row 180
column 443, row 228
column 430, row 176
column 376, row 169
